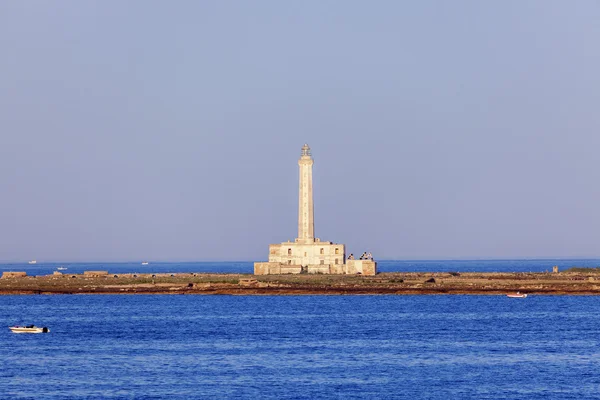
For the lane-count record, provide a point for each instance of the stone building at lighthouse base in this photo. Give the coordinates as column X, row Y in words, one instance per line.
column 312, row 258
column 307, row 254
column 364, row 267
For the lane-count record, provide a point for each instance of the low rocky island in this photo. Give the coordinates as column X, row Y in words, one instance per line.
column 576, row 281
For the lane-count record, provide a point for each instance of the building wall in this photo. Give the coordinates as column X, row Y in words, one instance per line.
column 364, row 267
column 318, row 269
column 317, row 253
column 337, row 269
column 291, row 269
column 267, row 268
column 275, row 268
column 352, row 267
column 369, row 268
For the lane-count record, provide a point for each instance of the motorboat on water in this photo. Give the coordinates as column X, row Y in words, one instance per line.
column 145, row 263
column 32, row 262
column 517, row 295
column 28, row 329
column 61, row 268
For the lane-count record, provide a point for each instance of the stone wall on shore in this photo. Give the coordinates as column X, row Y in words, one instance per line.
column 352, row 267
column 13, row 274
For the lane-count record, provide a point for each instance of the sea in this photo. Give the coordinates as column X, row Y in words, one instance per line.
column 247, row 267
column 302, row 347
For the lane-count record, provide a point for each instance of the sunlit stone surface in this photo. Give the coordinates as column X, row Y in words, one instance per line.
column 307, row 254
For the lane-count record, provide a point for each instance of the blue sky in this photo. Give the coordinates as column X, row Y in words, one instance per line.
column 171, row 130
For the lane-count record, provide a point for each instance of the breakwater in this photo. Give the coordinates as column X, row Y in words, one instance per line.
column 586, row 282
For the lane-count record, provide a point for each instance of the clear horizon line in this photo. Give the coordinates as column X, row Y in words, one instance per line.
column 380, row 260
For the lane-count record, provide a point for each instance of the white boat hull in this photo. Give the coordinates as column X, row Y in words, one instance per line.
column 517, row 296
column 22, row 329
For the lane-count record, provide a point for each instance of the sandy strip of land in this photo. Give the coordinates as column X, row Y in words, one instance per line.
column 575, row 283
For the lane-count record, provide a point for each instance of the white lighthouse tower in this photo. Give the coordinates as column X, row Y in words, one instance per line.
column 308, row 254
column 306, row 211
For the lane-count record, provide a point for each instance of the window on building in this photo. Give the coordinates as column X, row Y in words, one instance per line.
column 273, row 251
column 337, row 251
column 289, row 262
column 322, row 251
column 322, row 262
column 290, row 252
column 304, row 254
column 336, row 260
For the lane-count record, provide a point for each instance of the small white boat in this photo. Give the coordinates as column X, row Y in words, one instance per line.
column 145, row 263
column 32, row 262
column 28, row 329
column 517, row 295
column 61, row 268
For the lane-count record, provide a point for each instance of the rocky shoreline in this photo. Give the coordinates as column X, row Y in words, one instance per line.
column 397, row 283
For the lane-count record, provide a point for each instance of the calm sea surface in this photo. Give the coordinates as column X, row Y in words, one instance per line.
column 301, row 347
column 247, row 267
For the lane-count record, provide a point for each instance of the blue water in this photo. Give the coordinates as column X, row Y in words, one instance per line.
column 301, row 347
column 247, row 267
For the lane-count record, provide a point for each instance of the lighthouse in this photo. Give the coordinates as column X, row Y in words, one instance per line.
column 307, row 253
column 306, row 213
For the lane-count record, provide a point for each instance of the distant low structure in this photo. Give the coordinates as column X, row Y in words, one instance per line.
column 248, row 282
column 13, row 274
column 95, row 273
column 307, row 254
